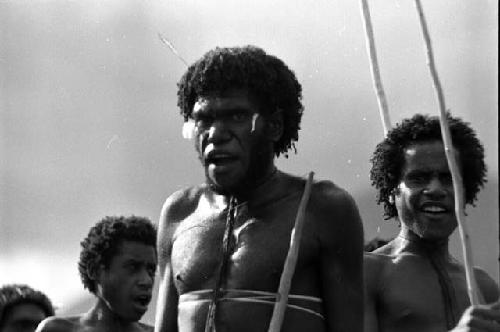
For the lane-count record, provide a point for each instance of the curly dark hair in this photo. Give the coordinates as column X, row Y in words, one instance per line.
column 103, row 242
column 14, row 294
column 388, row 158
column 265, row 76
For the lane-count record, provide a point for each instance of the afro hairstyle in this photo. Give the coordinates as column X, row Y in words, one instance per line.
column 104, row 240
column 388, row 159
column 265, row 76
column 14, row 294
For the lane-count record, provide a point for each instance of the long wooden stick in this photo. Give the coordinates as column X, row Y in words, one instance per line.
column 452, row 163
column 172, row 48
column 377, row 81
column 291, row 261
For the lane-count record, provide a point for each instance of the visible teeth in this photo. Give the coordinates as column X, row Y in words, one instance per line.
column 434, row 209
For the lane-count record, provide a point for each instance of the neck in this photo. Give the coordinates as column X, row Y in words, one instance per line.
column 408, row 242
column 101, row 315
column 258, row 188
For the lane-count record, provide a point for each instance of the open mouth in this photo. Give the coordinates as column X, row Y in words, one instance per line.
column 220, row 159
column 434, row 208
column 142, row 300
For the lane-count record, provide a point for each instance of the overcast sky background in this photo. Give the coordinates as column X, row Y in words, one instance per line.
column 90, row 127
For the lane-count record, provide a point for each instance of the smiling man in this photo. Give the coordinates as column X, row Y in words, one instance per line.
column 117, row 264
column 413, row 283
column 222, row 244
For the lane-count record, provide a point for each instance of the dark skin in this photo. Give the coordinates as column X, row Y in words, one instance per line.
column 192, row 224
column 23, row 317
column 123, row 294
column 403, row 292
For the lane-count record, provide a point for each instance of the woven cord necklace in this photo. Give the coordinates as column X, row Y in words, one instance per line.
column 227, row 245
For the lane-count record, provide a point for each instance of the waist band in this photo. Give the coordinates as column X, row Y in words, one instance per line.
column 248, row 296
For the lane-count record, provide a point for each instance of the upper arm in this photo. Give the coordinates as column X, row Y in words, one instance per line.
column 166, row 309
column 371, row 277
column 488, row 286
column 341, row 237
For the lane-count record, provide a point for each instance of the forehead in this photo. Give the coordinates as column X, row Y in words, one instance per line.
column 426, row 156
column 231, row 100
column 132, row 250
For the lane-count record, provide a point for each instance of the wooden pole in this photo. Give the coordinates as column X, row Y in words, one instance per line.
column 452, row 164
column 291, row 261
column 377, row 81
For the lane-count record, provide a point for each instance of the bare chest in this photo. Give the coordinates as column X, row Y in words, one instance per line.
column 415, row 297
column 259, row 245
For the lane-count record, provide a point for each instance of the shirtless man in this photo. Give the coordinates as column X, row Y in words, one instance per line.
column 243, row 107
column 413, row 283
column 22, row 308
column 117, row 264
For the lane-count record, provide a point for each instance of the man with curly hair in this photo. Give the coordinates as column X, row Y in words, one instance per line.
column 222, row 244
column 413, row 283
column 117, row 264
column 22, row 308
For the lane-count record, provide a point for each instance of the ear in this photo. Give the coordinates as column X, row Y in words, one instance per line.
column 392, row 195
column 96, row 273
column 274, row 125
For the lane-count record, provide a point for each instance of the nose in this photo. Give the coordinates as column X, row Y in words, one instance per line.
column 435, row 188
column 146, row 280
column 218, row 133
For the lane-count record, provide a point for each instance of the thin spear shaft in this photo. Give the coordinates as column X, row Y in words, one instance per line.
column 291, row 261
column 377, row 81
column 172, row 48
column 452, row 164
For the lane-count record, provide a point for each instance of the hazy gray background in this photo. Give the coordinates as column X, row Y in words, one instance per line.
column 90, row 126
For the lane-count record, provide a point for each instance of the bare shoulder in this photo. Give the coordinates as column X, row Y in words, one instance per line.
column 335, row 209
column 146, row 327
column 327, row 192
column 332, row 201
column 487, row 284
column 180, row 204
column 59, row 324
column 176, row 208
column 376, row 265
column 376, row 262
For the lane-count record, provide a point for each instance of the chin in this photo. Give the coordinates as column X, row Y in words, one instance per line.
column 435, row 236
column 223, row 185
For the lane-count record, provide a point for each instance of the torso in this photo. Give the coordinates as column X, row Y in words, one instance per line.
column 262, row 233
column 408, row 293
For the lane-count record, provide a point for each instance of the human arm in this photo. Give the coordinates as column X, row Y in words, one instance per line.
column 480, row 318
column 166, row 307
column 372, row 264
column 341, row 240
column 486, row 317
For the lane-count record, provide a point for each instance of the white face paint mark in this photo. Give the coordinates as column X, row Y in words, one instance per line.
column 254, row 120
column 188, row 129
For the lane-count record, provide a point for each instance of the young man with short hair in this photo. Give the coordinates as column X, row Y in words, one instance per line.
column 413, row 283
column 117, row 264
column 22, row 308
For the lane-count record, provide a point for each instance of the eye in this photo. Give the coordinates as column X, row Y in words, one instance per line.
column 132, row 267
column 152, row 270
column 202, row 120
column 417, row 178
column 446, row 178
column 238, row 117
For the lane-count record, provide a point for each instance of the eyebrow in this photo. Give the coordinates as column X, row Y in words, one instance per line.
column 135, row 261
